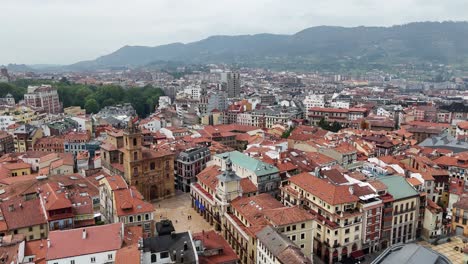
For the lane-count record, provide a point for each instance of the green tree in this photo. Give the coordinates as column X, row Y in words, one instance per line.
column 108, row 102
column 91, row 106
column 335, row 127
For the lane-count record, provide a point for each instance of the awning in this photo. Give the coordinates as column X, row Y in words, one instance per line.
column 358, row 254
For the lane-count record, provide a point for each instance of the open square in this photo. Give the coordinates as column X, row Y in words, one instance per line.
column 177, row 209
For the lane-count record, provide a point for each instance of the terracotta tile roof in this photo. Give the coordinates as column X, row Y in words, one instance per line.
column 130, row 202
column 345, row 148
column 128, row 254
column 378, row 185
column 98, row 239
column 287, row 215
column 77, row 137
column 53, row 199
column 414, row 181
column 326, row 191
column 116, row 182
column 334, row 175
column 132, row 234
column 208, row 176
column 212, row 240
column 286, row 166
column 16, row 166
column 38, row 249
column 26, row 215
column 319, row 158
column 253, row 208
column 247, row 186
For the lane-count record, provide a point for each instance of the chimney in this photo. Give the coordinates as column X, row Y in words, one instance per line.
column 84, row 233
column 182, row 258
column 174, row 255
column 48, row 243
column 11, row 208
column 185, row 246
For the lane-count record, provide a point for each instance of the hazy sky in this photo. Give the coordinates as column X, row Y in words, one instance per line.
column 68, row 31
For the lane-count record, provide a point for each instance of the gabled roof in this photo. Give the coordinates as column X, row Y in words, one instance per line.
column 98, row 239
column 330, row 193
column 19, row 213
column 130, row 202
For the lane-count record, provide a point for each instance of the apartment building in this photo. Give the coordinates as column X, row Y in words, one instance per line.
column 342, row 116
column 460, row 217
column 275, row 248
column 45, row 97
column 406, row 209
column 338, row 225
column 188, row 164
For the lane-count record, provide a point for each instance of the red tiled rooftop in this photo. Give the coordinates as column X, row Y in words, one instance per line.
column 98, row 239
column 211, row 240
column 129, row 202
column 326, row 191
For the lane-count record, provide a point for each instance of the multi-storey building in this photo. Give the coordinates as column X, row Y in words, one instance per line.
column 6, row 143
column 25, row 136
column 189, row 163
column 460, row 217
column 344, row 153
column 273, row 247
column 76, row 142
column 265, row 176
column 204, row 198
column 121, row 203
column 21, row 216
column 405, row 201
column 232, row 82
column 342, row 116
column 45, row 97
column 338, row 228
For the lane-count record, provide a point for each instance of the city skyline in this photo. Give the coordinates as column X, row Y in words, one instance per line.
column 64, row 32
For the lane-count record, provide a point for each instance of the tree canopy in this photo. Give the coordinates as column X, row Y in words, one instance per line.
column 92, row 98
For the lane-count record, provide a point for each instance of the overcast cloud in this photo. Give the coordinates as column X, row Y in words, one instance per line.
column 68, row 31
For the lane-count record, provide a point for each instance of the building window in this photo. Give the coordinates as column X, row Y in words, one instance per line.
column 302, row 236
column 164, row 255
column 72, row 261
column 130, row 219
column 152, row 166
column 134, row 142
column 93, row 259
column 146, row 217
column 139, row 218
column 347, row 231
column 153, row 258
column 303, row 225
column 135, row 155
column 109, row 256
column 30, row 229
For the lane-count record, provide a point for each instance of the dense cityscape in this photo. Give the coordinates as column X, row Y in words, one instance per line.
column 232, row 165
column 234, row 132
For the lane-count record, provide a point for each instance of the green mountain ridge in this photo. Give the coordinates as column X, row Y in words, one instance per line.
column 421, row 42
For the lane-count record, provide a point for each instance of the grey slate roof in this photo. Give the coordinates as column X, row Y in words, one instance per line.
column 445, row 141
column 281, row 247
column 410, row 254
column 172, row 243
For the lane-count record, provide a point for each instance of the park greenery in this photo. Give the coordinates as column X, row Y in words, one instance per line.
column 92, row 97
column 333, row 127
